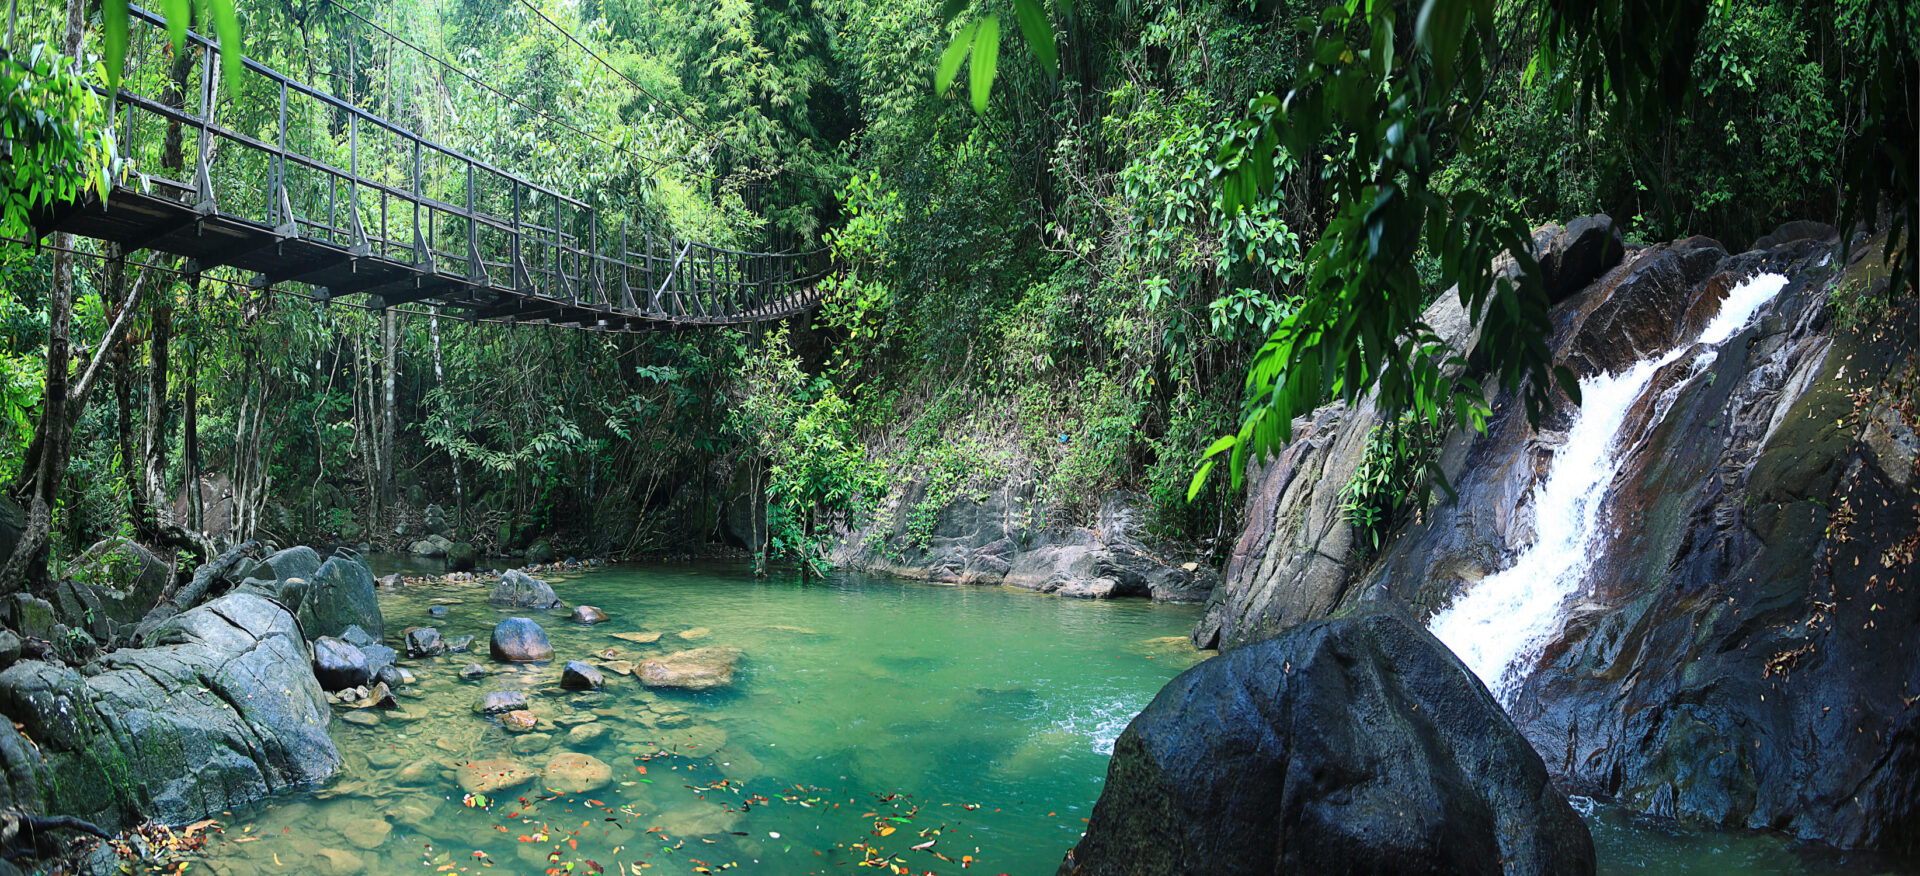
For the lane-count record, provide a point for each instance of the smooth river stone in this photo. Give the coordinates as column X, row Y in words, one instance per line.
column 493, row 774
column 520, row 640
column 618, row 667
column 695, row 634
column 698, row 669
column 581, row 676
column 639, row 638
column 587, row 614
column 519, row 721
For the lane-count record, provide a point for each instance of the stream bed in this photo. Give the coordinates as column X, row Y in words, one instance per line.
column 868, row 716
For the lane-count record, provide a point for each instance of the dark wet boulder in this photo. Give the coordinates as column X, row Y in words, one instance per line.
column 541, row 552
column 462, row 557
column 339, row 665
column 380, row 660
column 1573, row 256
column 499, row 701
column 338, row 596
column 519, row 640
column 581, row 676
column 518, row 589
column 1355, row 744
column 424, row 642
column 220, row 710
column 1796, row 231
column 10, row 647
column 587, row 614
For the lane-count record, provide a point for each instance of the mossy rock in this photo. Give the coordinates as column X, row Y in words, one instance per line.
column 462, row 557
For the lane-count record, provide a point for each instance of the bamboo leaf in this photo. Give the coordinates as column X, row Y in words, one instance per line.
column 986, row 61
column 114, row 14
column 226, row 25
column 1039, row 33
column 956, row 54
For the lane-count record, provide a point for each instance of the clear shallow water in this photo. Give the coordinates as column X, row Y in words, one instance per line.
column 861, row 705
column 859, row 702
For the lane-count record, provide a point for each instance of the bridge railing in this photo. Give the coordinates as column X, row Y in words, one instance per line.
column 305, row 163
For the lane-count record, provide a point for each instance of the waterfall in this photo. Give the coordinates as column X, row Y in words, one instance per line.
column 1509, row 615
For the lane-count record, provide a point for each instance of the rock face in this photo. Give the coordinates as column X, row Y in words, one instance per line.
column 1357, row 744
column 698, row 669
column 1296, row 557
column 517, row 589
column 1739, row 653
column 991, row 540
column 520, row 640
column 220, row 710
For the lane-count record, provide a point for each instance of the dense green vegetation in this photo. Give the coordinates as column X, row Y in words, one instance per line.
column 1039, row 281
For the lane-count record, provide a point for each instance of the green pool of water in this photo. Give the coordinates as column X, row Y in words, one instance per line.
column 868, row 716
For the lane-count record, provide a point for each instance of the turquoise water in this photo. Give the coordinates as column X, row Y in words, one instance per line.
column 867, row 716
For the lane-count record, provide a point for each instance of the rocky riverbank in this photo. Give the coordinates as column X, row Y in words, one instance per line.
column 992, row 538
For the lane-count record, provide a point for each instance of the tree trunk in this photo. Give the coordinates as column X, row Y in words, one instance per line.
column 154, row 463
column 440, row 380
column 40, row 478
column 390, row 357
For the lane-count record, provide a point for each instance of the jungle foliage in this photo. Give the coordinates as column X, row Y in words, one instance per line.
column 1040, row 281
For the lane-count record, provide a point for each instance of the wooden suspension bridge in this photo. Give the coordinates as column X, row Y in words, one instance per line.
column 500, row 247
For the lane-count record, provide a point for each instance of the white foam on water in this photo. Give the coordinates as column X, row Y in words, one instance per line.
column 1100, row 723
column 1509, row 615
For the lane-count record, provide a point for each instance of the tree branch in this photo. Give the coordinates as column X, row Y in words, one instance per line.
column 78, row 394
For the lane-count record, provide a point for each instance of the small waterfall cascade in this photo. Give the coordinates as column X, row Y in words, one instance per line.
column 1510, row 615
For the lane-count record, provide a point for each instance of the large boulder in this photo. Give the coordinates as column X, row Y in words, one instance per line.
column 1356, row 744
column 341, row 594
column 518, row 589
column 519, row 640
column 698, row 669
column 220, row 710
column 111, row 586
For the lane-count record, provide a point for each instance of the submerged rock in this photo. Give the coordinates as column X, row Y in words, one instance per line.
column 221, row 710
column 698, row 669
column 1357, row 744
column 493, row 774
column 473, row 670
column 519, row 640
column 517, row 589
column 587, row 614
column 573, row 773
column 581, row 676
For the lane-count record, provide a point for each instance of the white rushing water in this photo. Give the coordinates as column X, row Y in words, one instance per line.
column 1510, row 614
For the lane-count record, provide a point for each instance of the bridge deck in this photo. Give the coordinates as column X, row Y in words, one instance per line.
column 455, row 232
